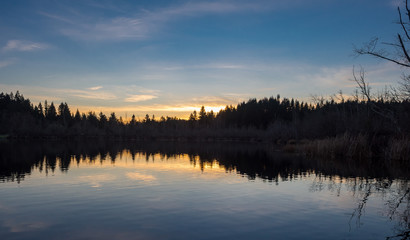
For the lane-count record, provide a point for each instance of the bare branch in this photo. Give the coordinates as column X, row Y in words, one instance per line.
column 402, row 24
column 396, row 53
column 403, row 48
column 408, row 11
column 318, row 100
column 391, row 44
column 405, row 87
column 369, row 49
column 363, row 86
column 378, row 55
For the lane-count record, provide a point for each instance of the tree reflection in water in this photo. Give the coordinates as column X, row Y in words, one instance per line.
column 363, row 179
column 394, row 191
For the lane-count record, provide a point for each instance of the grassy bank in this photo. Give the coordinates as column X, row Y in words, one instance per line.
column 358, row 147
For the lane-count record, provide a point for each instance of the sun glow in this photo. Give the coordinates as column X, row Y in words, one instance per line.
column 182, row 112
column 215, row 109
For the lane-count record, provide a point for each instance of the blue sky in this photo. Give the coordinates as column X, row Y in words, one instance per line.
column 171, row 57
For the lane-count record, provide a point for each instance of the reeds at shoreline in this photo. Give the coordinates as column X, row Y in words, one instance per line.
column 358, row 147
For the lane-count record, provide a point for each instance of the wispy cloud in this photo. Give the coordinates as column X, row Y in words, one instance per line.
column 146, row 90
column 90, row 94
column 111, row 94
column 206, row 66
column 57, row 17
column 24, row 46
column 196, row 8
column 121, row 28
column 6, row 63
column 139, row 98
column 142, row 24
column 95, row 88
column 214, row 100
column 41, row 98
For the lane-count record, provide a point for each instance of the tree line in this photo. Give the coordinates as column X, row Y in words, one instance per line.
column 269, row 119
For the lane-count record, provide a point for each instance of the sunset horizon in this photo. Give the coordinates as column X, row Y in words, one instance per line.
column 169, row 59
column 204, row 119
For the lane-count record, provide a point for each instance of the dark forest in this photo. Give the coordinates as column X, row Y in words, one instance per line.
column 375, row 127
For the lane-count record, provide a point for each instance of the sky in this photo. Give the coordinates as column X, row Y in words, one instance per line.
column 172, row 57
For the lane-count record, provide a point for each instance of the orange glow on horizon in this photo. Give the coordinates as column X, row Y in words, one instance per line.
column 126, row 113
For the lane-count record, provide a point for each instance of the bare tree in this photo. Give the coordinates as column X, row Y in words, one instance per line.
column 405, row 86
column 364, row 89
column 362, row 85
column 396, row 52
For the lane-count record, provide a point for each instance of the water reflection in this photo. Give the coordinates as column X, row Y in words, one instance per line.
column 394, row 192
column 362, row 181
column 251, row 160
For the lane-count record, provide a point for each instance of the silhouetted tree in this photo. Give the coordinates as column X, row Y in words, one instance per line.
column 51, row 112
column 77, row 116
column 92, row 119
column 113, row 119
column 133, row 122
column 192, row 119
column 147, row 119
column 64, row 114
column 40, row 110
column 202, row 116
column 397, row 51
column 102, row 120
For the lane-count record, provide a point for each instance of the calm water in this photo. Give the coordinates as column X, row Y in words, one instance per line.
column 100, row 190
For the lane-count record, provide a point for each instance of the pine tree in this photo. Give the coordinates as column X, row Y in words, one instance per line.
column 51, row 112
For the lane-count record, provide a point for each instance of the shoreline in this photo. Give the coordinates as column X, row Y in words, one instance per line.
column 347, row 145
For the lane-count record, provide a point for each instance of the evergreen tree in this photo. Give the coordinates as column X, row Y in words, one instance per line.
column 113, row 119
column 40, row 110
column 64, row 114
column 133, row 122
column 51, row 112
column 92, row 119
column 147, row 119
column 77, row 116
column 102, row 120
column 202, row 116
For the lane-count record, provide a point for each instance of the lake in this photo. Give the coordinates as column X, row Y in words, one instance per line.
column 134, row 190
